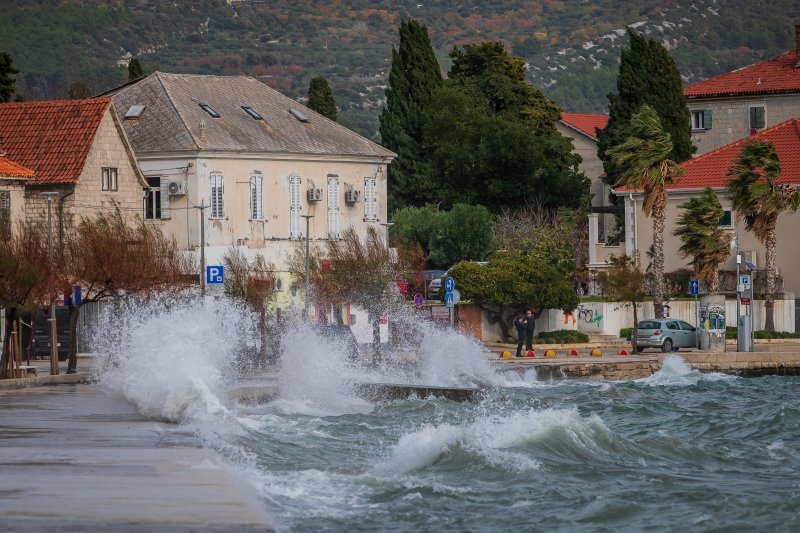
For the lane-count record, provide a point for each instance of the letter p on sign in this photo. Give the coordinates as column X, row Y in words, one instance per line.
column 215, row 274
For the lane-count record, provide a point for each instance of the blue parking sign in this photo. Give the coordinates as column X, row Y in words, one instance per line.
column 694, row 287
column 215, row 274
column 449, row 284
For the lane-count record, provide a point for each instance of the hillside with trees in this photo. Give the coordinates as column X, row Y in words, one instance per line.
column 571, row 47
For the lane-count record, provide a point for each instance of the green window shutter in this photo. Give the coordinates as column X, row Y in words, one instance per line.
column 756, row 118
column 707, row 119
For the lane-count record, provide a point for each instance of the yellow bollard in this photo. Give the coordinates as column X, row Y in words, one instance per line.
column 596, row 353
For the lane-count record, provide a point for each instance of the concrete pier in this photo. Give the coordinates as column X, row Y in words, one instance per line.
column 75, row 459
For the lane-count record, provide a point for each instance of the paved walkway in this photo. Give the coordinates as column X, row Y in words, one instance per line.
column 74, row 459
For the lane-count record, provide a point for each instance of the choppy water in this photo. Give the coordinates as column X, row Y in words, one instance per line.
column 677, row 451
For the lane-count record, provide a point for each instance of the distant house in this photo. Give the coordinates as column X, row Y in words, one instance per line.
column 711, row 169
column 737, row 104
column 77, row 149
column 13, row 177
column 258, row 159
column 582, row 128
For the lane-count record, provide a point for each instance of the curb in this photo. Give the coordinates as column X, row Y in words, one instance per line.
column 43, row 381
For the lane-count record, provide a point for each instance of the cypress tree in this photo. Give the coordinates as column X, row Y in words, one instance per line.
column 414, row 76
column 320, row 98
column 7, row 78
column 135, row 70
column 647, row 75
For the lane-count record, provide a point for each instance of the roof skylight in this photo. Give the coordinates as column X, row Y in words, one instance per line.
column 134, row 111
column 210, row 110
column 298, row 115
column 252, row 112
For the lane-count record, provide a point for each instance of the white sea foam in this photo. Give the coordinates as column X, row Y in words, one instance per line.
column 495, row 438
column 675, row 372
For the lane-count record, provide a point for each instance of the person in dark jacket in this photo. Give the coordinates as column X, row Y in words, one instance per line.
column 530, row 326
column 521, row 324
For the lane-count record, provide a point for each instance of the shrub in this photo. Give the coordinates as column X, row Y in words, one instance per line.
column 730, row 333
column 562, row 336
column 625, row 333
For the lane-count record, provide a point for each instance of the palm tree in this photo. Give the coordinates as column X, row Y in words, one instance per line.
column 759, row 199
column 643, row 164
column 703, row 239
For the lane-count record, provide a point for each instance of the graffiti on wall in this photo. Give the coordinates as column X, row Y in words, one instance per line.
column 712, row 317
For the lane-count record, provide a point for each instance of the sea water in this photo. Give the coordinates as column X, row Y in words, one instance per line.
column 679, row 450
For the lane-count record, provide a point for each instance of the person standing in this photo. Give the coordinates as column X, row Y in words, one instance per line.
column 521, row 324
column 530, row 326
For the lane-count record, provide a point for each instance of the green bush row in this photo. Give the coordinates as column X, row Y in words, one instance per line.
column 561, row 336
column 730, row 333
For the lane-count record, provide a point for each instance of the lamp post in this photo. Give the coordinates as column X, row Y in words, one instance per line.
column 53, row 335
column 308, row 268
column 202, row 207
column 738, row 295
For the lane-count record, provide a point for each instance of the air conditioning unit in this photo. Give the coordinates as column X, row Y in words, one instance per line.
column 177, row 188
column 314, row 194
column 352, row 196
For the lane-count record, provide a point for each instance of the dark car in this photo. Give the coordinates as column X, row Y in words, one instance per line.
column 669, row 334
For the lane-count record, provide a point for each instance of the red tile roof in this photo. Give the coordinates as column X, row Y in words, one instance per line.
column 585, row 122
column 776, row 75
column 10, row 169
column 51, row 137
column 711, row 169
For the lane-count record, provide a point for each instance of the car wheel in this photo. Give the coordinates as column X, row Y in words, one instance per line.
column 667, row 346
column 639, row 350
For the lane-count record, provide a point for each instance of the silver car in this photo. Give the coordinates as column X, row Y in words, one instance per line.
column 668, row 334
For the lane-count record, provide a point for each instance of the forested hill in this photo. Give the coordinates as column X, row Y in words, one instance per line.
column 572, row 46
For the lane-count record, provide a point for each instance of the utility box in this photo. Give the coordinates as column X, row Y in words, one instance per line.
column 744, row 333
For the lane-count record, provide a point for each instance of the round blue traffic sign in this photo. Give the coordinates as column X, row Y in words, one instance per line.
column 449, row 284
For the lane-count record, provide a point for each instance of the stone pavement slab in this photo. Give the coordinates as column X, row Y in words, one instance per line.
column 75, row 459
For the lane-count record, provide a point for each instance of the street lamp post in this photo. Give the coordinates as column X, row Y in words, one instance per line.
column 53, row 331
column 202, row 207
column 308, row 268
column 738, row 295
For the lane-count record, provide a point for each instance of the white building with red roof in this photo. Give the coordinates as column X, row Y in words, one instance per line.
column 711, row 170
column 737, row 104
column 13, row 177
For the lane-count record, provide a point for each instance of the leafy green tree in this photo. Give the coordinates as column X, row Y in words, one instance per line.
column 446, row 237
column 135, row 70
column 7, row 79
column 414, row 75
column 759, row 199
column 320, row 98
column 702, row 238
column 624, row 282
column 511, row 282
column 491, row 138
column 79, row 90
column 465, row 234
column 647, row 75
column 642, row 163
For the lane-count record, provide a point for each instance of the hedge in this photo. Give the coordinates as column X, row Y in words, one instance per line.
column 730, row 333
column 561, row 336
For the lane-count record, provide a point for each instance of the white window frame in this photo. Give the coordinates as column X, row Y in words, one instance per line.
column 152, row 199
column 109, row 177
column 727, row 226
column 295, row 209
column 333, row 206
column 217, row 182
column 256, row 196
column 701, row 120
column 370, row 200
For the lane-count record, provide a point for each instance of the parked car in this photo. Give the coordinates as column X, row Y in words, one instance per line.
column 40, row 344
column 669, row 334
column 435, row 286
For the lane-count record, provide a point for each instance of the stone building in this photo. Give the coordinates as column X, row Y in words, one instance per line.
column 76, row 149
column 711, row 169
column 738, row 104
column 13, row 177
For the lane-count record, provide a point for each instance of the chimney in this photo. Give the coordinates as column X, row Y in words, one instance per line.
column 203, row 130
column 797, row 45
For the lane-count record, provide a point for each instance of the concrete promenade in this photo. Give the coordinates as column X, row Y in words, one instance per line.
column 75, row 459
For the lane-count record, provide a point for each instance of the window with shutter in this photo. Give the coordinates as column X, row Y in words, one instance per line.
column 256, row 196
column 333, row 207
column 152, row 199
column 295, row 231
column 370, row 213
column 5, row 215
column 163, row 196
column 217, row 196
